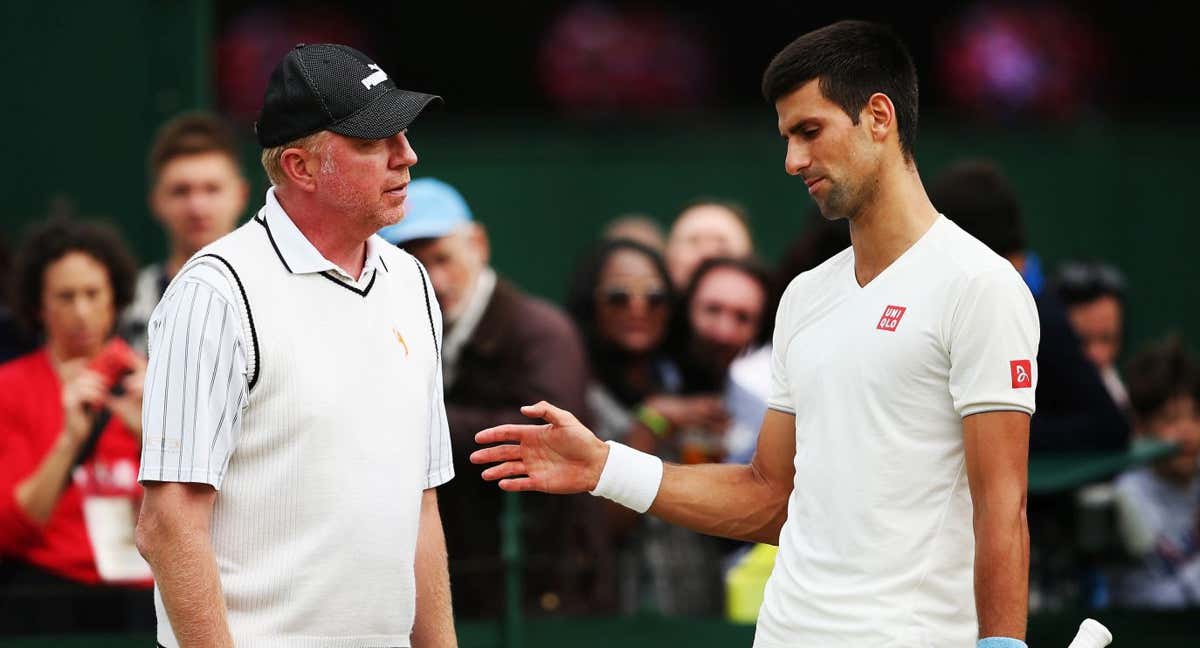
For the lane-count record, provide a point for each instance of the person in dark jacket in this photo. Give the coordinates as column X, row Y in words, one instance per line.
column 502, row 349
column 1075, row 412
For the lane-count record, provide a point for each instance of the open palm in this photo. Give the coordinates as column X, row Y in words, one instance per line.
column 561, row 456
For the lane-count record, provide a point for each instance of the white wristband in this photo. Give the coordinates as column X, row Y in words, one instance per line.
column 630, row 477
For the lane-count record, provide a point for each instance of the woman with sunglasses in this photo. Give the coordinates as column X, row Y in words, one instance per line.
column 621, row 299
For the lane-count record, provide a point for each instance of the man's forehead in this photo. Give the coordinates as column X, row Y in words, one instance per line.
column 805, row 102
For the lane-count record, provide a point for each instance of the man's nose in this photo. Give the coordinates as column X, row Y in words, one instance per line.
column 403, row 154
column 797, row 159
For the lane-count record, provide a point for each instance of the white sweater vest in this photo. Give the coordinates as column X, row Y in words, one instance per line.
column 315, row 526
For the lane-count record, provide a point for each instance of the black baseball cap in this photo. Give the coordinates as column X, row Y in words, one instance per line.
column 336, row 88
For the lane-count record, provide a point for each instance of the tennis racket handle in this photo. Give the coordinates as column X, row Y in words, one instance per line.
column 1092, row 634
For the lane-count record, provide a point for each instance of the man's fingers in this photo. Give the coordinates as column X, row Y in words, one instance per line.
column 517, row 485
column 506, row 469
column 496, row 454
column 550, row 413
column 502, row 433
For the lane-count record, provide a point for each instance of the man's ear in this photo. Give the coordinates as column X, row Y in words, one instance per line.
column 301, row 168
column 479, row 240
column 880, row 114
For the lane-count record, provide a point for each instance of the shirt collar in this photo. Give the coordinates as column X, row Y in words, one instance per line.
column 298, row 253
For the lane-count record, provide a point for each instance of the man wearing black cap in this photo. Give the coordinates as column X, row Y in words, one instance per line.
column 295, row 428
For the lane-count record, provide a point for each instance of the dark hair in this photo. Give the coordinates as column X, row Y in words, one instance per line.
column 607, row 361
column 977, row 196
column 750, row 267
column 821, row 240
column 1083, row 282
column 1160, row 372
column 851, row 60
column 190, row 133
column 50, row 241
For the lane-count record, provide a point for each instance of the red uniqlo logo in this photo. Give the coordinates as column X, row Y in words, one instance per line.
column 891, row 318
column 1022, row 374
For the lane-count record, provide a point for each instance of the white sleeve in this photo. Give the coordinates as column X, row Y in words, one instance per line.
column 196, row 384
column 993, row 341
column 779, row 396
column 439, row 459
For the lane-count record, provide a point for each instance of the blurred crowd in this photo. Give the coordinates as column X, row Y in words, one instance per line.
column 663, row 342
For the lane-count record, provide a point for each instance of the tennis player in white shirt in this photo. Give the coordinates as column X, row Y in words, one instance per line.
column 891, row 467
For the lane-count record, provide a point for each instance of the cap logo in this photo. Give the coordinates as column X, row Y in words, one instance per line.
column 377, row 77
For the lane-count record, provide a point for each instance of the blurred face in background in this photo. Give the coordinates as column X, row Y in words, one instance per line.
column 704, row 232
column 1098, row 325
column 77, row 306
column 454, row 262
column 839, row 160
column 725, row 315
column 631, row 303
column 198, row 198
column 1178, row 421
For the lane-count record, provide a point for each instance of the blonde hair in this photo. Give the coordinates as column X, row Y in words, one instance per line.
column 272, row 158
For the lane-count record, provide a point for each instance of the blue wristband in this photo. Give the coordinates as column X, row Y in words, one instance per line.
column 1001, row 642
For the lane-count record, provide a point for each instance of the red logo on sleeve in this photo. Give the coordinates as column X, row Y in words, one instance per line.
column 891, row 318
column 1022, row 374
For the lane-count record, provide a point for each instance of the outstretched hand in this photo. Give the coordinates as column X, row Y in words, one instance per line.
column 561, row 456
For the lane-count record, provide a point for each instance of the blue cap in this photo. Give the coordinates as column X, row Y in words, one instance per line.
column 432, row 209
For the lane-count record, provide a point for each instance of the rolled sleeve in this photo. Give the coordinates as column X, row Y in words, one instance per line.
column 196, row 384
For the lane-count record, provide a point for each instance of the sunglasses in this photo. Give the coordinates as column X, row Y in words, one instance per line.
column 621, row 297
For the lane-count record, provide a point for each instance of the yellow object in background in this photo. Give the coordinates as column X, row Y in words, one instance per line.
column 745, row 582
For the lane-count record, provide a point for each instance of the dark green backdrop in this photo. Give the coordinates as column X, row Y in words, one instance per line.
column 86, row 91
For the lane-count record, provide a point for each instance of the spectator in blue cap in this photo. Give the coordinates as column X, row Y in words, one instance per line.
column 502, row 349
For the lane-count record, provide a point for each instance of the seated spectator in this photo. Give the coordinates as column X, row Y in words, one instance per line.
column 1075, row 412
column 636, row 227
column 706, row 229
column 1159, row 506
column 725, row 320
column 621, row 299
column 1094, row 294
column 13, row 341
column 197, row 193
column 70, row 426
column 502, row 349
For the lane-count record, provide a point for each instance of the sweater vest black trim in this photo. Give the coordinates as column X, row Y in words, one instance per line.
column 361, row 293
column 271, row 238
column 428, row 309
column 249, row 318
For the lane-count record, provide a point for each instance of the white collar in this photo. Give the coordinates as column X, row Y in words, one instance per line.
column 468, row 321
column 297, row 253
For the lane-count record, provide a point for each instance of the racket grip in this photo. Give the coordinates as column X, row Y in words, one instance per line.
column 1092, row 634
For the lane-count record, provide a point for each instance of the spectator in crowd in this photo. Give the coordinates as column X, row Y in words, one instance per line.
column 1074, row 410
column 637, row 227
column 503, row 349
column 1159, row 506
column 705, row 229
column 621, row 298
column 197, row 193
column 725, row 321
column 13, row 341
column 70, row 428
column 1094, row 294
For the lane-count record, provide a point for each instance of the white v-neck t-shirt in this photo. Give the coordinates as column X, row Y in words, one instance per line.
column 878, row 548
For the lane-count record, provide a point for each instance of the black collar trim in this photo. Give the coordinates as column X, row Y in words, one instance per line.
column 263, row 222
column 361, row 293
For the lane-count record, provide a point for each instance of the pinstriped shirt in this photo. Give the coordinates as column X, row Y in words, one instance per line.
column 198, row 378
